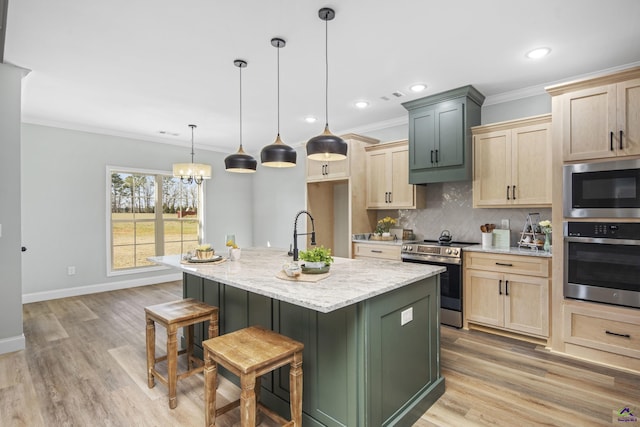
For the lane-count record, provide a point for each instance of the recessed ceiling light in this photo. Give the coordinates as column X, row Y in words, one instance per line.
column 310, row 119
column 538, row 53
column 362, row 104
column 418, row 87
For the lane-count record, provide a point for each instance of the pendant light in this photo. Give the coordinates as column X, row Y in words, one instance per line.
column 192, row 172
column 240, row 162
column 326, row 146
column 278, row 154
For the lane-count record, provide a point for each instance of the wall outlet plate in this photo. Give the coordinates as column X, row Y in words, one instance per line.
column 406, row 316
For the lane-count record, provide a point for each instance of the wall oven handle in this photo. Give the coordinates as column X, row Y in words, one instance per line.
column 504, row 264
column 618, row 335
column 611, row 140
column 621, row 139
column 500, row 287
column 506, row 287
column 627, row 242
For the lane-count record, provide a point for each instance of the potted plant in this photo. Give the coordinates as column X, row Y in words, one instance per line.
column 318, row 257
column 384, row 225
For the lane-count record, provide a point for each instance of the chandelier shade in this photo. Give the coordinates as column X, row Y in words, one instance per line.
column 192, row 172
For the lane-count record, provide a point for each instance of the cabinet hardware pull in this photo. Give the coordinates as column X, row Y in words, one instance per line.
column 504, row 264
column 508, row 193
column 436, row 156
column 431, row 156
column 386, row 197
column 513, row 192
column 499, row 287
column 375, row 251
column 390, row 197
column 621, row 139
column 611, row 140
column 618, row 335
column 506, row 287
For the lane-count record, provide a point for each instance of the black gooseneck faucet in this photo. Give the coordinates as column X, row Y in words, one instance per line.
column 295, row 233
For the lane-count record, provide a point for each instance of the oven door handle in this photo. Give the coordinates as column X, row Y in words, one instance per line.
column 432, row 259
column 627, row 242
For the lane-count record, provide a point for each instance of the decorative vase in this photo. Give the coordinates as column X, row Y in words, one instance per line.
column 547, row 241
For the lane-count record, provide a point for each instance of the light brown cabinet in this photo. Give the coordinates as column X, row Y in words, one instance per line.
column 512, row 163
column 328, row 171
column 380, row 251
column 600, row 118
column 388, row 185
column 507, row 293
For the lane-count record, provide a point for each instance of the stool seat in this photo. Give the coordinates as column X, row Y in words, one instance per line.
column 250, row 353
column 172, row 315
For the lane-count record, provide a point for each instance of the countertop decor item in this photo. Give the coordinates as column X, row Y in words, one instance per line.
column 531, row 236
column 240, row 162
column 204, row 251
column 278, row 154
column 316, row 260
column 326, row 147
column 192, row 172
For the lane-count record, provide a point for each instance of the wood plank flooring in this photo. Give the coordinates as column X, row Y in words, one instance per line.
column 84, row 365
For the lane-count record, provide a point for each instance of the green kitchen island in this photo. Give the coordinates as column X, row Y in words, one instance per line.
column 371, row 331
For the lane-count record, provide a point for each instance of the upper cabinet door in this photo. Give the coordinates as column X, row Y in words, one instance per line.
column 531, row 165
column 423, row 135
column 629, row 117
column 589, row 123
column 327, row 171
column 449, row 147
column 492, row 168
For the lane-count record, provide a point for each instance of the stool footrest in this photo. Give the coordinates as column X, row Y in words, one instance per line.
column 274, row 416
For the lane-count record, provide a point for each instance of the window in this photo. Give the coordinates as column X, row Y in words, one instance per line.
column 151, row 214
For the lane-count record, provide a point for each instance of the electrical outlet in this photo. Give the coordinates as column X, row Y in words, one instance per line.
column 406, row 316
column 71, row 270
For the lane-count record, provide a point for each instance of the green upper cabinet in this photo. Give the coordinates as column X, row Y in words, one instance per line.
column 440, row 136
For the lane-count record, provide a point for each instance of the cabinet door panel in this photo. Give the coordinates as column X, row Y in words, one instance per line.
column 402, row 193
column 527, row 305
column 483, row 300
column 629, row 116
column 589, row 116
column 492, row 171
column 423, row 128
column 377, row 179
column 531, row 165
column 450, row 134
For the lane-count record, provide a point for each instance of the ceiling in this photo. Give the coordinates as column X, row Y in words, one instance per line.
column 136, row 68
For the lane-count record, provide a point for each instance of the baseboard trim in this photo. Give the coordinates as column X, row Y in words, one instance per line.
column 92, row 289
column 9, row 345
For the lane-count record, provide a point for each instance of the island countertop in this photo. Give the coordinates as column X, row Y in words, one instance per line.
column 349, row 281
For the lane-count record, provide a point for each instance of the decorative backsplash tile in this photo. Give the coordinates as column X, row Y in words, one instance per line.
column 450, row 207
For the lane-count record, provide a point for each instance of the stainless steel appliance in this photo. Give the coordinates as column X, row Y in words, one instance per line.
column 602, row 262
column 447, row 254
column 602, row 190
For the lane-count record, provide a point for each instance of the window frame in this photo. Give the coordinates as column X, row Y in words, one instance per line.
column 110, row 169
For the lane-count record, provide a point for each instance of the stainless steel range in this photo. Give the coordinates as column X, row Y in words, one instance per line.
column 446, row 254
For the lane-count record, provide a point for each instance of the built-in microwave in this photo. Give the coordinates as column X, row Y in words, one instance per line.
column 602, row 190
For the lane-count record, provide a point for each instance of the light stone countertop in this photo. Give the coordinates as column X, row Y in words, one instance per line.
column 382, row 242
column 514, row 250
column 350, row 280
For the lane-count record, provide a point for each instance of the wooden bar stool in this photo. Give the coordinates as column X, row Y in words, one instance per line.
column 174, row 315
column 250, row 353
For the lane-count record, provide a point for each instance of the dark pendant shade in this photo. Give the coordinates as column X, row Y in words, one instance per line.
column 278, row 155
column 326, row 147
column 240, row 162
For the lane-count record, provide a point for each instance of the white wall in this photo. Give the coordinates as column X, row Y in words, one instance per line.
column 11, row 336
column 64, row 207
column 279, row 194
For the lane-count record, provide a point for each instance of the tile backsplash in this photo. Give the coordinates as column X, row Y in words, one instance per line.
column 450, row 207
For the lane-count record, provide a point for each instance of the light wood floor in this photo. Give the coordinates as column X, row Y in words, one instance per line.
column 84, row 365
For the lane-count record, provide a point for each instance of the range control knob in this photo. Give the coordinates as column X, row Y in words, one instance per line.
column 448, row 251
column 410, row 248
column 404, row 247
column 455, row 252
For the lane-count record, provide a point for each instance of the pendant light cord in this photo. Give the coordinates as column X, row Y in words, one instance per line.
column 240, row 107
column 278, row 72
column 326, row 72
column 192, row 151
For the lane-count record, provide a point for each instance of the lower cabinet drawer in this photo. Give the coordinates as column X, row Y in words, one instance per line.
column 515, row 264
column 613, row 332
column 364, row 250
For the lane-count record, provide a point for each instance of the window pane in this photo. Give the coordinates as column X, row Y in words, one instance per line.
column 190, row 230
column 143, row 252
column 173, row 248
column 123, row 233
column 172, row 231
column 123, row 257
column 145, row 232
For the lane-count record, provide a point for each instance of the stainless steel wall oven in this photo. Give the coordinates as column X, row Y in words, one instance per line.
column 602, row 262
